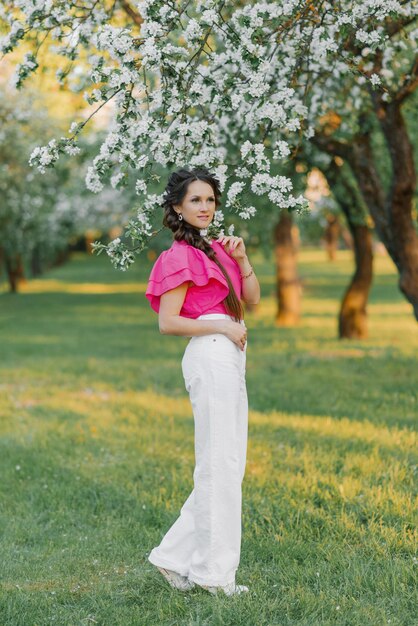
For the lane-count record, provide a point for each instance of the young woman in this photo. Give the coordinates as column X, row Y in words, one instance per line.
column 195, row 286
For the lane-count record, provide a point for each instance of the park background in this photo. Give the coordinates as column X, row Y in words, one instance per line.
column 96, row 425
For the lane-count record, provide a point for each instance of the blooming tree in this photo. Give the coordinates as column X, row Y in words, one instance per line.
column 366, row 123
column 191, row 79
column 27, row 200
column 39, row 214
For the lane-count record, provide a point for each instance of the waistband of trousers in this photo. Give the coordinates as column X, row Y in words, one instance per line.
column 215, row 316
column 212, row 316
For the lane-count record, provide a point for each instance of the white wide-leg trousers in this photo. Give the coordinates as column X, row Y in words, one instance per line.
column 204, row 543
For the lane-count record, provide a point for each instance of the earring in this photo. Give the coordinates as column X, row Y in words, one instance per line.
column 180, row 216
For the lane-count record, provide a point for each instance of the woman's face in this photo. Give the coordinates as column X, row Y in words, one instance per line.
column 198, row 205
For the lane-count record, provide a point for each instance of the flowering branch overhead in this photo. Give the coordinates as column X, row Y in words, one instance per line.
column 209, row 83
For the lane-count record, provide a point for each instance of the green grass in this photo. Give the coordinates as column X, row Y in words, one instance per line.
column 97, row 456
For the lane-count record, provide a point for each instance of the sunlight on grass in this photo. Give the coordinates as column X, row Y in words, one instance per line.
column 341, row 429
column 46, row 285
column 104, row 411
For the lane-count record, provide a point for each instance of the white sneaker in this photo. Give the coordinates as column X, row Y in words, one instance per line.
column 230, row 590
column 177, row 581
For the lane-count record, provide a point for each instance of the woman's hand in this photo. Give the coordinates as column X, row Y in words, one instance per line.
column 235, row 331
column 234, row 246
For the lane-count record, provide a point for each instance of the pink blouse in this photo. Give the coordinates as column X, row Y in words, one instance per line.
column 182, row 263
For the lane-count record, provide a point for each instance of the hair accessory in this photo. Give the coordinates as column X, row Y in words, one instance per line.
column 249, row 273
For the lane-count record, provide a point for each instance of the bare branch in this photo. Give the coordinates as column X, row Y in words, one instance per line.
column 331, row 146
column 136, row 17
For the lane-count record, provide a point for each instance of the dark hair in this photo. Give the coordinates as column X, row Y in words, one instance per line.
column 174, row 193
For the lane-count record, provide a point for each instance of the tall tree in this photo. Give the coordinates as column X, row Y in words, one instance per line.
column 352, row 319
column 389, row 67
column 288, row 284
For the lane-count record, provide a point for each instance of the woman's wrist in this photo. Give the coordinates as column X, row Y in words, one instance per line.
column 245, row 267
column 244, row 264
column 242, row 259
column 223, row 326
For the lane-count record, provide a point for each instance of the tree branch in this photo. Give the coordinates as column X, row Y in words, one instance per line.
column 136, row 17
column 393, row 28
column 360, row 157
column 331, row 146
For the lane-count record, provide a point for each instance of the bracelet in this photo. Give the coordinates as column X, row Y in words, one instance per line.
column 247, row 275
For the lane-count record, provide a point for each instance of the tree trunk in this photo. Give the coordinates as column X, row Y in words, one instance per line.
column 392, row 215
column 14, row 269
column 287, row 280
column 331, row 235
column 352, row 321
column 403, row 244
column 61, row 257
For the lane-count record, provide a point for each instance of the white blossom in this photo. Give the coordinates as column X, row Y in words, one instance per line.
column 281, row 150
column 193, row 32
column 140, row 186
column 93, row 181
column 72, row 149
column 247, row 212
column 209, row 17
column 233, row 192
column 116, row 179
column 369, row 38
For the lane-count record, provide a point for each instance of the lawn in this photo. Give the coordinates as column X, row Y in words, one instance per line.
column 96, row 456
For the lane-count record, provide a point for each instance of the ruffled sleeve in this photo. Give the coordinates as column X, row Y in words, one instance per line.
column 179, row 264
